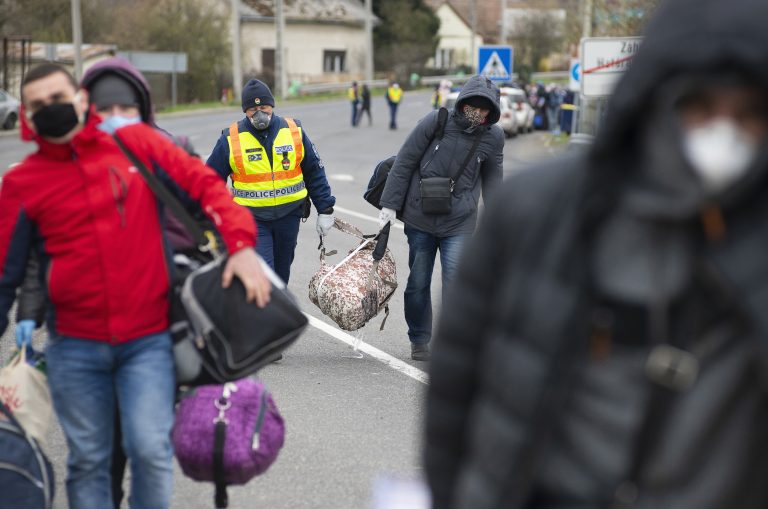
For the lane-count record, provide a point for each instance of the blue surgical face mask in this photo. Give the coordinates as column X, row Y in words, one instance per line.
column 115, row 122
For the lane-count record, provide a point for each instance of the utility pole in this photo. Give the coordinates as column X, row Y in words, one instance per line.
column 587, row 8
column 280, row 81
column 473, row 21
column 503, row 28
column 237, row 64
column 77, row 38
column 368, row 40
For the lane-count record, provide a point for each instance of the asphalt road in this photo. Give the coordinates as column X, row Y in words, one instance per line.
column 353, row 421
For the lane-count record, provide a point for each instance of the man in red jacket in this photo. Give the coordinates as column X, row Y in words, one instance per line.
column 92, row 219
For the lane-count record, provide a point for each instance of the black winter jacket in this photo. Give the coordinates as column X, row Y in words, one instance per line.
column 511, row 414
column 443, row 158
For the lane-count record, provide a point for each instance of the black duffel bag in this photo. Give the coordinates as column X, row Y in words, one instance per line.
column 217, row 335
column 234, row 338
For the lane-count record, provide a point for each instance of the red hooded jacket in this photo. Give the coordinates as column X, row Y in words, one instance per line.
column 95, row 222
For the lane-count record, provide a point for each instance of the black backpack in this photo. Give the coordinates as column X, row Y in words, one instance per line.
column 379, row 178
column 26, row 475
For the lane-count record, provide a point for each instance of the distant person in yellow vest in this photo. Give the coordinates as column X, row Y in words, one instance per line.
column 275, row 169
column 394, row 95
column 354, row 99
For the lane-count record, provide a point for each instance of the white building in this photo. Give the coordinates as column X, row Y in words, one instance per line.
column 324, row 40
column 456, row 46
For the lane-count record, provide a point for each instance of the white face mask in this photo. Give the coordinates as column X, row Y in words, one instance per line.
column 720, row 153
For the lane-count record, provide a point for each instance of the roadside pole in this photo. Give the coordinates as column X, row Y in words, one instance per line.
column 369, row 40
column 280, row 80
column 77, row 38
column 237, row 69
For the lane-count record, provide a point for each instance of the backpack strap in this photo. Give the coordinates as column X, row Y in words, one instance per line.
column 442, row 119
column 298, row 146
column 234, row 137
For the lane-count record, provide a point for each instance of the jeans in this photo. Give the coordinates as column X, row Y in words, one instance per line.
column 354, row 112
column 88, row 379
column 423, row 248
column 393, row 115
column 276, row 242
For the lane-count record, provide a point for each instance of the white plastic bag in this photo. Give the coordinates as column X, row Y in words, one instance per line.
column 24, row 390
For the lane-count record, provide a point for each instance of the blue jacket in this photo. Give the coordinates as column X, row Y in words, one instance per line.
column 311, row 166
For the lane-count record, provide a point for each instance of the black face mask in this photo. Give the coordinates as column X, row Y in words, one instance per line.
column 55, row 120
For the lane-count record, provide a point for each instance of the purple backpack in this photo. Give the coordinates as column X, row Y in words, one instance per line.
column 227, row 434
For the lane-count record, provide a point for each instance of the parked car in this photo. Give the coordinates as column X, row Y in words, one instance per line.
column 523, row 109
column 507, row 120
column 9, row 110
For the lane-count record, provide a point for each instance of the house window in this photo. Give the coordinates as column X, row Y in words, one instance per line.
column 444, row 58
column 333, row 61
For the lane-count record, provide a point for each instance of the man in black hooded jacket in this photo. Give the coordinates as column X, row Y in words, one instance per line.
column 470, row 138
column 604, row 343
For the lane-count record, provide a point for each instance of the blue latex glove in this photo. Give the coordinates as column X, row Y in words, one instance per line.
column 24, row 330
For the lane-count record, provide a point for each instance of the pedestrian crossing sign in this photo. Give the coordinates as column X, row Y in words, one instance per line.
column 495, row 62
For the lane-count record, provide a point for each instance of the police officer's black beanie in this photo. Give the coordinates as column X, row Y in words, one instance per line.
column 256, row 93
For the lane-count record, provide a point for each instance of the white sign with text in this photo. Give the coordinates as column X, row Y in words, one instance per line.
column 603, row 61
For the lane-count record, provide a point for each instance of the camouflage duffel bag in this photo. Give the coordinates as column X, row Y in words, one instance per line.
column 357, row 288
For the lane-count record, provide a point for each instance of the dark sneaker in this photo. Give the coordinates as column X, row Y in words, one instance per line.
column 419, row 352
column 278, row 358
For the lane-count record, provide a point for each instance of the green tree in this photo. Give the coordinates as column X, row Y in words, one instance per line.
column 51, row 20
column 189, row 26
column 406, row 37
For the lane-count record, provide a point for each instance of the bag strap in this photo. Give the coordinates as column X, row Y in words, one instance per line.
column 205, row 242
column 470, row 154
column 442, row 119
column 221, row 497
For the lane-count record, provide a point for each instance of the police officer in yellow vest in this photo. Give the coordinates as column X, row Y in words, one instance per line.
column 274, row 170
column 394, row 95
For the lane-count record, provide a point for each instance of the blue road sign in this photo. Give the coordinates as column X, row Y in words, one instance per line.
column 495, row 62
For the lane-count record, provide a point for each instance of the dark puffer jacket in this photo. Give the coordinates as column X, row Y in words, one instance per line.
column 519, row 413
column 443, row 158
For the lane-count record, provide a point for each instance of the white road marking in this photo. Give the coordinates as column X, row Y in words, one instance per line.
column 374, row 352
column 341, row 177
column 363, row 216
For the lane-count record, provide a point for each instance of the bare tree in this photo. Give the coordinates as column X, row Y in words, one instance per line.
column 538, row 35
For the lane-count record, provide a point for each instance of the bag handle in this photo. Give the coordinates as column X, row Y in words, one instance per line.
column 205, row 240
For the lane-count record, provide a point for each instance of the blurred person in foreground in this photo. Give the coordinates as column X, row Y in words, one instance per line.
column 604, row 344
column 83, row 210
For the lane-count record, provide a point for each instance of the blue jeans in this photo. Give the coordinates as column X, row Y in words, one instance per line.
column 354, row 112
column 393, row 115
column 276, row 242
column 87, row 379
column 423, row 248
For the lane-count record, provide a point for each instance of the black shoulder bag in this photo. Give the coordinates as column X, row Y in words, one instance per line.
column 436, row 192
column 219, row 336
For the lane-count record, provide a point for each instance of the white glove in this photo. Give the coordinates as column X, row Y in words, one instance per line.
column 386, row 216
column 324, row 224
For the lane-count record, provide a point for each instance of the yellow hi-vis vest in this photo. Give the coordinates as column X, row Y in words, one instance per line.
column 255, row 182
column 395, row 94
